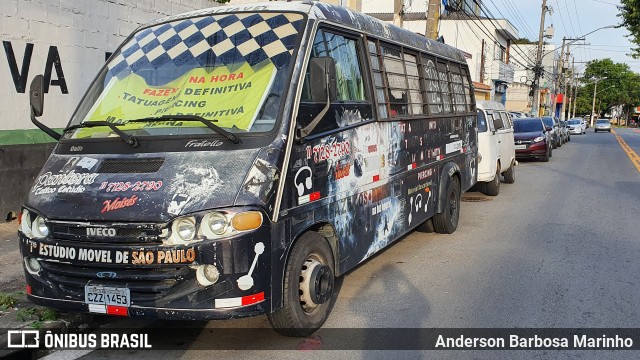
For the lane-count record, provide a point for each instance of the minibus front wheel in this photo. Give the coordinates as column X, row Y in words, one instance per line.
column 309, row 291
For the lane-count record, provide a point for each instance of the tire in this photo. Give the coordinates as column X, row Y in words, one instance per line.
column 569, row 138
column 554, row 144
column 595, row 130
column 492, row 188
column 311, row 258
column 547, row 156
column 447, row 221
column 510, row 174
column 609, row 130
column 426, row 227
column 550, row 152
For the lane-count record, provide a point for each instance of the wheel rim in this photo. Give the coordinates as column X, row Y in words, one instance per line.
column 316, row 283
column 453, row 207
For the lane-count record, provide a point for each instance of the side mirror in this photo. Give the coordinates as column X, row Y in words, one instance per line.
column 36, row 95
column 324, row 89
column 36, row 99
column 548, row 128
column 322, row 76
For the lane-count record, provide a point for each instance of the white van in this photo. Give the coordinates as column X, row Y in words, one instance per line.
column 495, row 146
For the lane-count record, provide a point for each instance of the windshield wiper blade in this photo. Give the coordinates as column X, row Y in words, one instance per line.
column 129, row 139
column 209, row 123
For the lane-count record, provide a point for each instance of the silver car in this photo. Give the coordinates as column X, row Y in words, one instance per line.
column 577, row 126
column 602, row 125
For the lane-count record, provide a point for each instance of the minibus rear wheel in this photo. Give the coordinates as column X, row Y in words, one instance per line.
column 309, row 291
column 447, row 221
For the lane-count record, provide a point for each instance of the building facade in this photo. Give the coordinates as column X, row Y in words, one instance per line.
column 488, row 45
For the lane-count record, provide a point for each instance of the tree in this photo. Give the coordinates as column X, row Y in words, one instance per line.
column 524, row 40
column 630, row 14
column 619, row 86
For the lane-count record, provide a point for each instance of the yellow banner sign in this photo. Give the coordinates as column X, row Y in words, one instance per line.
column 227, row 96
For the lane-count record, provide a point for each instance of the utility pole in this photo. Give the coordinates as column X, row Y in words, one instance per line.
column 398, row 12
column 537, row 70
column 575, row 98
column 566, row 87
column 595, row 92
column 433, row 17
column 482, row 63
column 571, row 91
column 558, row 78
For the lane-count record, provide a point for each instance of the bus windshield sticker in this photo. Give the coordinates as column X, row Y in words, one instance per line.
column 220, row 67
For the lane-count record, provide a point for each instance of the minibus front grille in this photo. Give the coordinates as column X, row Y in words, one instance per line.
column 144, row 284
column 124, row 235
column 130, row 166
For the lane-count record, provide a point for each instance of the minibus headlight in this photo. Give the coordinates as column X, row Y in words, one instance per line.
column 39, row 227
column 246, row 221
column 214, row 223
column 25, row 222
column 185, row 228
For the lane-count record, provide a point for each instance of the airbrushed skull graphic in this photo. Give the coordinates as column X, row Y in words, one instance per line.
column 193, row 185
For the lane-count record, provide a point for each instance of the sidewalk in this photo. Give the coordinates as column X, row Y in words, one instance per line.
column 11, row 277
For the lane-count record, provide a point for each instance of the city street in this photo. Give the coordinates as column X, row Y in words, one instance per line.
column 559, row 248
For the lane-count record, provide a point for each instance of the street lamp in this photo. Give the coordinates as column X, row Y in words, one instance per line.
column 593, row 106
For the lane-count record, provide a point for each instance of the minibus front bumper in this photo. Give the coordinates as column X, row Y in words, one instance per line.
column 59, row 274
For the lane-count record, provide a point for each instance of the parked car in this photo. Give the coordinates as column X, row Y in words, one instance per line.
column 602, row 125
column 532, row 139
column 551, row 122
column 577, row 126
column 517, row 114
column 564, row 130
column 495, row 146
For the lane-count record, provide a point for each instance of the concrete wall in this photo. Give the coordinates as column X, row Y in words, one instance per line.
column 77, row 33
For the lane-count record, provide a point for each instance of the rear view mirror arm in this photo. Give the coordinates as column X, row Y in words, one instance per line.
column 43, row 127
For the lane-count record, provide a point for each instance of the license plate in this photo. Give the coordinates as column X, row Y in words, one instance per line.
column 521, row 147
column 105, row 295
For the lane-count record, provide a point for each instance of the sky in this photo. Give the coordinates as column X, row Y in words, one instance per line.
column 572, row 19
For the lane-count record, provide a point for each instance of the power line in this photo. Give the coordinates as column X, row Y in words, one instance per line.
column 580, row 28
column 510, row 5
column 489, row 17
column 515, row 17
column 491, row 37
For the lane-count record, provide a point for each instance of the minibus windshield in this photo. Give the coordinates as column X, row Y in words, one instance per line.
column 229, row 69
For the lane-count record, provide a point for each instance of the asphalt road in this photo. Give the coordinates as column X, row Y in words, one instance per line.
column 559, row 248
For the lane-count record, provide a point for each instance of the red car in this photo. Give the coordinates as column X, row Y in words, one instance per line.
column 532, row 139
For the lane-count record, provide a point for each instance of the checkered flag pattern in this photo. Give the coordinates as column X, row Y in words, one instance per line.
column 210, row 41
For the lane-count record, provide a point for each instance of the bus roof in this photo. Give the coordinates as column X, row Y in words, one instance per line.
column 337, row 15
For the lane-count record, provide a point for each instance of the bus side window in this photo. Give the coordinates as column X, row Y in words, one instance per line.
column 349, row 79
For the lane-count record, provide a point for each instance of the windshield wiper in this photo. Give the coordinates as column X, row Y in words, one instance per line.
column 209, row 123
column 129, row 139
